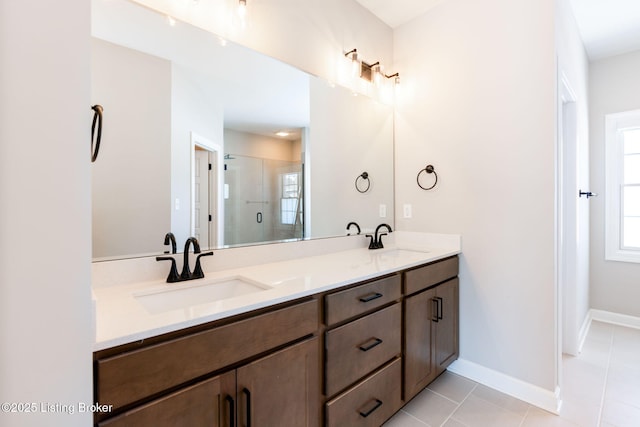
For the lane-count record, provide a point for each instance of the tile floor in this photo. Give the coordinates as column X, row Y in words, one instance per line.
column 601, row 389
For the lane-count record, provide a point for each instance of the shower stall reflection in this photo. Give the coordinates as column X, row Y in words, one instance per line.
column 263, row 199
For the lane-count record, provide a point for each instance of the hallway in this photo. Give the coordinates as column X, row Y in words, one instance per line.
column 601, row 389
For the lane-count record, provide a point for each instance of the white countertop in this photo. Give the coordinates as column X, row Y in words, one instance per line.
column 120, row 318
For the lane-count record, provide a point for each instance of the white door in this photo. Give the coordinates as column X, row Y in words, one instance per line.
column 573, row 222
column 201, row 197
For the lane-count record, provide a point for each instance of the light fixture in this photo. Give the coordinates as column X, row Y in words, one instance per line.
column 396, row 76
column 242, row 8
column 355, row 63
column 372, row 73
column 282, row 133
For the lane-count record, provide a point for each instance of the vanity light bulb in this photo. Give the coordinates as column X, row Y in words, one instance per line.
column 377, row 77
column 242, row 8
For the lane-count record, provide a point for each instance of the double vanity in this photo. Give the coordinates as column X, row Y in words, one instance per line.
column 336, row 339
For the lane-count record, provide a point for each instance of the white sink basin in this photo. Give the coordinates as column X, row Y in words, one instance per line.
column 184, row 294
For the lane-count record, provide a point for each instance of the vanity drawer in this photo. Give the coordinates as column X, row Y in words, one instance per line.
column 370, row 402
column 352, row 302
column 429, row 275
column 359, row 347
column 131, row 376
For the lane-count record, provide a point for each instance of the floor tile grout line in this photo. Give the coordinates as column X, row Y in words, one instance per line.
column 416, row 418
column 525, row 416
column 459, row 405
column 502, row 407
column 606, row 376
column 448, row 398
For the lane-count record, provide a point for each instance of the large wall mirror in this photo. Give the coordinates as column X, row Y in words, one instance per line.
column 206, row 138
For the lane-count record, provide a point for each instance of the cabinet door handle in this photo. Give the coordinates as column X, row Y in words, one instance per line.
column 376, row 404
column 371, row 297
column 259, row 217
column 376, row 341
column 232, row 411
column 439, row 308
column 247, row 394
column 434, row 305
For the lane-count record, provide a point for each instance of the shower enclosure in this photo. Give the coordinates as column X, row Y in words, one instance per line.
column 263, row 200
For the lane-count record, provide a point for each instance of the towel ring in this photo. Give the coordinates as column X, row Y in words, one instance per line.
column 429, row 169
column 365, row 177
column 97, row 117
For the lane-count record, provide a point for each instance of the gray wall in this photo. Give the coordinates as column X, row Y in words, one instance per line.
column 614, row 87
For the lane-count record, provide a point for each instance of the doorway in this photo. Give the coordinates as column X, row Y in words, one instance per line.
column 207, row 209
column 572, row 272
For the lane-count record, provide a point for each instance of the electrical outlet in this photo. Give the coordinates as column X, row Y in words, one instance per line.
column 383, row 211
column 407, row 210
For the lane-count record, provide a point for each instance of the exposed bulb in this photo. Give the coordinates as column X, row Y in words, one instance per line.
column 242, row 8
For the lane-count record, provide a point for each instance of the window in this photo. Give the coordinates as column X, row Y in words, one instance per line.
column 290, row 186
column 623, row 186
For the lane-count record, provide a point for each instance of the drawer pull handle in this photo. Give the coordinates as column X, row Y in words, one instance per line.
column 376, row 405
column 247, row 393
column 371, row 297
column 232, row 411
column 376, row 341
column 435, row 317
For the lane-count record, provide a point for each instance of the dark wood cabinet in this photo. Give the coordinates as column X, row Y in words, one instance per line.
column 431, row 335
column 363, row 365
column 282, row 389
column 418, row 351
column 370, row 402
column 446, row 326
column 357, row 348
column 233, row 354
column 198, row 405
column 375, row 345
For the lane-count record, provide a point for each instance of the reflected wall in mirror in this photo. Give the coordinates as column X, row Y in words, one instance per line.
column 190, row 144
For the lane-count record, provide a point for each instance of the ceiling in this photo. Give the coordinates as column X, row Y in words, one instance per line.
column 607, row 27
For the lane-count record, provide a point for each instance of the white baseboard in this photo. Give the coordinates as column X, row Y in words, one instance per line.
column 615, row 318
column 537, row 396
column 584, row 330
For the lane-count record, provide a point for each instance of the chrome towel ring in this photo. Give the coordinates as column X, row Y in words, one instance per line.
column 429, row 170
column 364, row 176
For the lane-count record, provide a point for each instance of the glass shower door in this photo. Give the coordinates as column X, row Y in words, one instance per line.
column 264, row 201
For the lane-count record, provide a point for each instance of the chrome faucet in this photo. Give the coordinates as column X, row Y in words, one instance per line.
column 186, row 271
column 354, row 224
column 376, row 241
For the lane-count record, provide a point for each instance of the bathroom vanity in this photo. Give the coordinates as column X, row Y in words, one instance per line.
column 350, row 349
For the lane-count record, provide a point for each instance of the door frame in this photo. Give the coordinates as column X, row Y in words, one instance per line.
column 216, row 180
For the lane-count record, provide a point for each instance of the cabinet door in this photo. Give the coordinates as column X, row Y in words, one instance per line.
column 199, row 405
column 282, row 389
column 420, row 310
column 446, row 331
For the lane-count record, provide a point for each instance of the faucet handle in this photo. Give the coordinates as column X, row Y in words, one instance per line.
column 173, row 272
column 197, row 271
column 372, row 242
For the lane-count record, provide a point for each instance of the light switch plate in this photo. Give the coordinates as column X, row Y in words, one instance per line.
column 407, row 211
